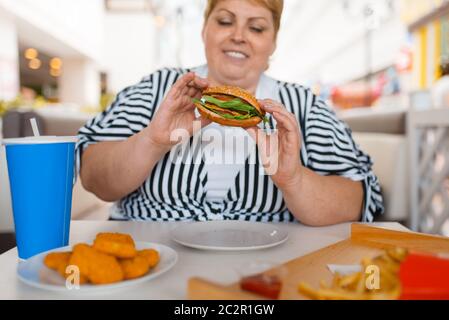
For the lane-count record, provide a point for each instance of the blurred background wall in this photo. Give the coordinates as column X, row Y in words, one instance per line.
column 126, row 40
column 106, row 45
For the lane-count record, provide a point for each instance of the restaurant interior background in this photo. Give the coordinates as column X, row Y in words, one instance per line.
column 377, row 62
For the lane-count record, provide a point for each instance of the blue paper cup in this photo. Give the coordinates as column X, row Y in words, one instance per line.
column 41, row 180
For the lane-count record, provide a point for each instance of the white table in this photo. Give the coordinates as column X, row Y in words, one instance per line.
column 217, row 266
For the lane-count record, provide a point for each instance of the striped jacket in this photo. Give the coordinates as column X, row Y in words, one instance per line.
column 177, row 190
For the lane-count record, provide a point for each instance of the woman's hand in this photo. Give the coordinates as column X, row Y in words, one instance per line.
column 280, row 152
column 176, row 116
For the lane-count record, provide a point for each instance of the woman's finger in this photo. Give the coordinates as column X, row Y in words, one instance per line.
column 267, row 103
column 193, row 92
column 285, row 121
column 184, row 104
column 271, row 106
column 291, row 136
column 181, row 84
column 193, row 87
column 198, row 83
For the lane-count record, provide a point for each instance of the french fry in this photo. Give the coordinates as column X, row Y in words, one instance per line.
column 354, row 286
column 349, row 281
column 308, row 291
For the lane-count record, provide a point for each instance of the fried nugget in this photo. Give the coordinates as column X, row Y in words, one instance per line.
column 139, row 265
column 135, row 267
column 80, row 258
column 59, row 261
column 116, row 244
column 105, row 269
column 97, row 267
column 56, row 260
column 151, row 255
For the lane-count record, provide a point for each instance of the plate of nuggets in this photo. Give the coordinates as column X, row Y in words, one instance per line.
column 112, row 261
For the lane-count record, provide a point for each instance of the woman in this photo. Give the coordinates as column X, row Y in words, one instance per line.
column 322, row 178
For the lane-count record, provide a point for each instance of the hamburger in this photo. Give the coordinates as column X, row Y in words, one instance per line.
column 230, row 106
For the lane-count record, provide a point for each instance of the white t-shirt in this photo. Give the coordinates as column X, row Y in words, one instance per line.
column 229, row 147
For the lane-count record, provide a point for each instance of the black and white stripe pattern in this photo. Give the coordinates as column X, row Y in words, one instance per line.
column 177, row 191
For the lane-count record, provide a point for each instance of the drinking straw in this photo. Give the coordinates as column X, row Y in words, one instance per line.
column 35, row 127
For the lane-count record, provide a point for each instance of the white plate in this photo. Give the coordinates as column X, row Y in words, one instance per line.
column 229, row 235
column 34, row 273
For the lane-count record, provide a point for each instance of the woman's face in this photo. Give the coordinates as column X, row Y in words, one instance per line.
column 239, row 37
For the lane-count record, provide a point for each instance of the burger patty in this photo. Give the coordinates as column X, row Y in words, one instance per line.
column 222, row 110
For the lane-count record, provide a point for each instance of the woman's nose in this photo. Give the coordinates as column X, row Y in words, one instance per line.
column 238, row 35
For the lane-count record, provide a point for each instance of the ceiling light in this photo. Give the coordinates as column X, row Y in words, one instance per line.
column 55, row 72
column 34, row 64
column 31, row 53
column 56, row 63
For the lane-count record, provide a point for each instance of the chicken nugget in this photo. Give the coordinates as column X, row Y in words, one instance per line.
column 59, row 261
column 80, row 257
column 55, row 260
column 151, row 255
column 135, row 267
column 97, row 267
column 104, row 269
column 116, row 244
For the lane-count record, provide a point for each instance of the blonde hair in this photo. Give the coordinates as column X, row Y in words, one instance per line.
column 275, row 6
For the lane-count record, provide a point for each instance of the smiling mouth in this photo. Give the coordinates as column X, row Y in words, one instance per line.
column 236, row 54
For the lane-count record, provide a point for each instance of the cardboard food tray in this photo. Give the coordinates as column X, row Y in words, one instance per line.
column 365, row 242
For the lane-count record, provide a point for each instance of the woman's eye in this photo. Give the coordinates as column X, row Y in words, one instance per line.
column 224, row 22
column 257, row 29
